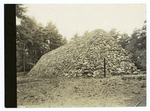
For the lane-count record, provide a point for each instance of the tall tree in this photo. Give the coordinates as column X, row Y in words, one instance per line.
column 64, row 41
column 52, row 38
column 137, row 47
column 113, row 32
column 123, row 39
column 75, row 37
column 24, row 37
column 20, row 10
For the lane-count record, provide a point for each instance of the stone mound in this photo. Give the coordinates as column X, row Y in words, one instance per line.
column 85, row 57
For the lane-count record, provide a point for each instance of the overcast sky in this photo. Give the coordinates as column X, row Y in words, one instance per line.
column 73, row 18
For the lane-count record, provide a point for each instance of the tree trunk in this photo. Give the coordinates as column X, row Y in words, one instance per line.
column 34, row 56
column 24, row 67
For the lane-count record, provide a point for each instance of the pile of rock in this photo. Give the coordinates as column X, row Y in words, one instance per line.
column 85, row 57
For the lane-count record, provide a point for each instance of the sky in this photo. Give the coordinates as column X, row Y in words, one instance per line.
column 78, row 18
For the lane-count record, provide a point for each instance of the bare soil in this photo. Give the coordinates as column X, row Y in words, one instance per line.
column 116, row 91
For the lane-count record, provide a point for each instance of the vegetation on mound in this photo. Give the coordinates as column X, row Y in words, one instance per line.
column 84, row 56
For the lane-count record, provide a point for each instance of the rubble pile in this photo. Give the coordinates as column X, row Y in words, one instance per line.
column 84, row 57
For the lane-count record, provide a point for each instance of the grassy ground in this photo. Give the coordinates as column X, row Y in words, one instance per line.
column 116, row 91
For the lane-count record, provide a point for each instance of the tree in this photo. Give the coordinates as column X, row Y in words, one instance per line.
column 113, row 32
column 20, row 10
column 24, row 38
column 123, row 40
column 52, row 38
column 64, row 41
column 75, row 37
column 137, row 47
column 86, row 33
column 35, row 47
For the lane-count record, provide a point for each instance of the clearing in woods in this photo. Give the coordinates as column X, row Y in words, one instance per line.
column 116, row 91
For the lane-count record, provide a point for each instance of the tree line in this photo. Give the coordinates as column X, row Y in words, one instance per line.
column 33, row 40
column 136, row 47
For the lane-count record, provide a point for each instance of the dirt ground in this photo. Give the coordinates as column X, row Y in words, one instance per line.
column 116, row 91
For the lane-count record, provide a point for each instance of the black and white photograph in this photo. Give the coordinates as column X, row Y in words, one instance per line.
column 81, row 55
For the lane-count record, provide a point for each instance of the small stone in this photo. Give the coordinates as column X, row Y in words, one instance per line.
column 124, row 78
column 79, row 75
column 74, row 75
column 143, row 85
column 135, row 73
column 76, row 87
column 89, row 75
column 138, row 70
column 86, row 71
column 85, row 63
column 66, row 74
column 31, row 95
column 95, row 73
column 136, row 92
column 89, row 96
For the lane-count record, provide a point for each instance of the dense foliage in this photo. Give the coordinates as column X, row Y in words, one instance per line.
column 33, row 40
column 137, row 47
